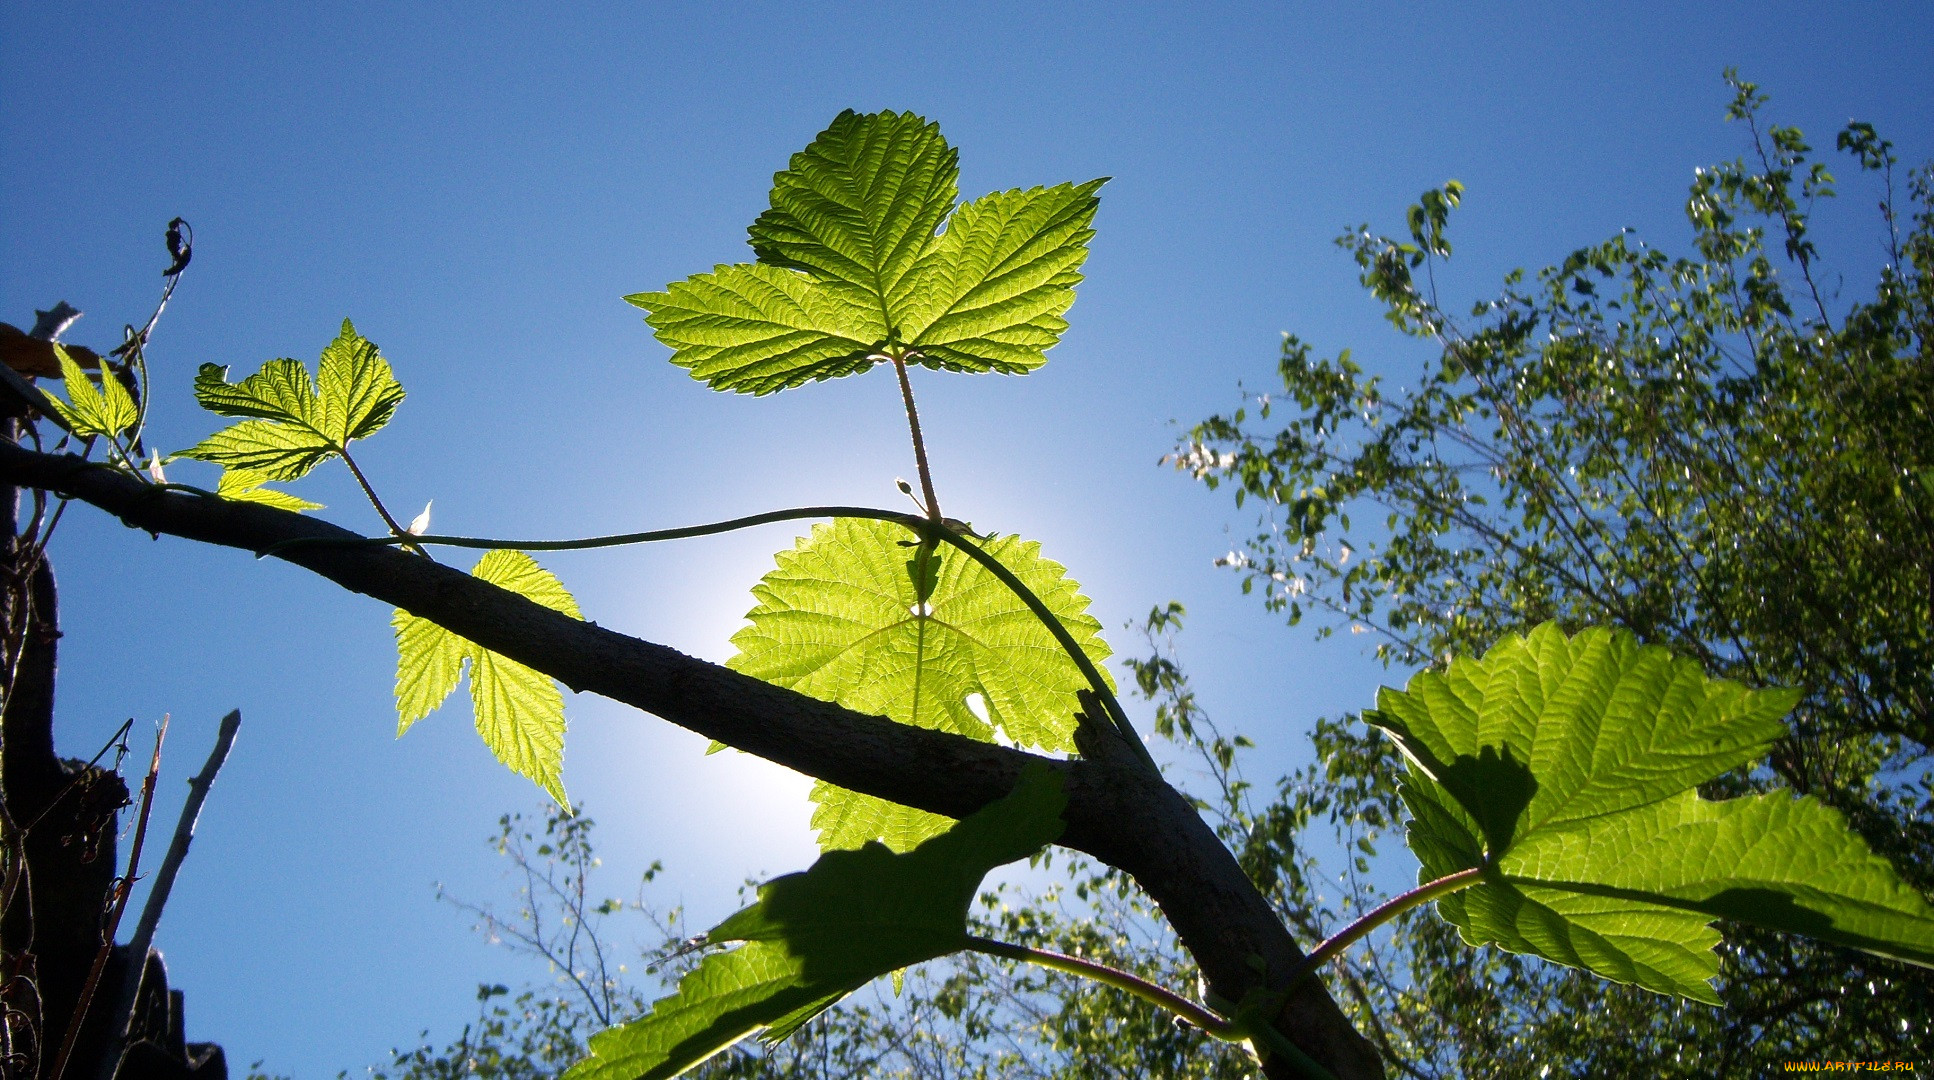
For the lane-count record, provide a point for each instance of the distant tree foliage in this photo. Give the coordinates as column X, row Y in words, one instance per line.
column 1727, row 453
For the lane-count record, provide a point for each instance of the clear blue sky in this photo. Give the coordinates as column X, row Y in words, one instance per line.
column 476, row 186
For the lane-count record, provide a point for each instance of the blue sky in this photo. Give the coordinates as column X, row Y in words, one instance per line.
column 477, row 186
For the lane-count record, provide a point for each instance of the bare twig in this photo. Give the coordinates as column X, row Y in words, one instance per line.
column 164, row 882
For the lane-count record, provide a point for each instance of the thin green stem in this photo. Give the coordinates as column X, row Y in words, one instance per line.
column 402, row 535
column 1160, row 997
column 1388, row 910
column 924, row 528
column 1244, row 1027
column 919, row 444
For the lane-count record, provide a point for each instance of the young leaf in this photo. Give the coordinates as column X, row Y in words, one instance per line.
column 519, row 711
column 293, row 427
column 1566, row 767
column 842, row 618
column 852, row 267
column 245, row 485
column 359, row 393
column 107, row 411
column 817, row 936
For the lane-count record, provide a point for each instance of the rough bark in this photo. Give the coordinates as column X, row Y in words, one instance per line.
column 1119, row 811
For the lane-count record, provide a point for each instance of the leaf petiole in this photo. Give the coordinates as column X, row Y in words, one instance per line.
column 1388, row 910
column 401, row 534
column 1246, row 1027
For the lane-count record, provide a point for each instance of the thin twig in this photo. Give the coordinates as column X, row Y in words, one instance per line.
column 164, row 882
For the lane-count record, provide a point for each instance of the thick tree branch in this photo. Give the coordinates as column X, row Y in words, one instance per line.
column 1119, row 811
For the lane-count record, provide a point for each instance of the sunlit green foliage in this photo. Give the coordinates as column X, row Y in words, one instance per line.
column 294, row 423
column 87, row 411
column 1716, row 452
column 519, row 711
column 1565, row 769
column 860, row 614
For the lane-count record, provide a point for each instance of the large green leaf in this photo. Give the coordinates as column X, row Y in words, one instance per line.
column 841, row 618
column 853, row 267
column 291, row 425
column 817, row 936
column 1566, row 768
column 519, row 710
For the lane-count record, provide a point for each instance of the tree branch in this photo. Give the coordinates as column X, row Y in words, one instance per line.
column 1119, row 810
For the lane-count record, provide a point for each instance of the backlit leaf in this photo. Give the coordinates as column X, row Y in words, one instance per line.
column 244, row 485
column 358, row 392
column 757, row 329
column 840, row 619
column 107, row 411
column 519, row 711
column 1567, row 767
column 861, row 204
column 854, row 266
column 817, row 936
column 994, row 286
column 291, row 426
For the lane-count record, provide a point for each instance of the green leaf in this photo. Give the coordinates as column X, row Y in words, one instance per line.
column 359, row 394
column 273, row 451
column 519, row 710
column 860, row 205
column 292, row 427
column 994, row 286
column 245, row 485
column 759, row 329
column 107, row 411
column 817, row 936
column 853, row 267
column 840, row 618
column 1567, row 767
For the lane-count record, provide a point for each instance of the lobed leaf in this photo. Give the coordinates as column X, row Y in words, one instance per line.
column 842, row 618
column 519, row 711
column 759, row 329
column 359, row 394
column 292, row 426
column 853, row 266
column 1566, row 767
column 994, row 286
column 817, row 936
